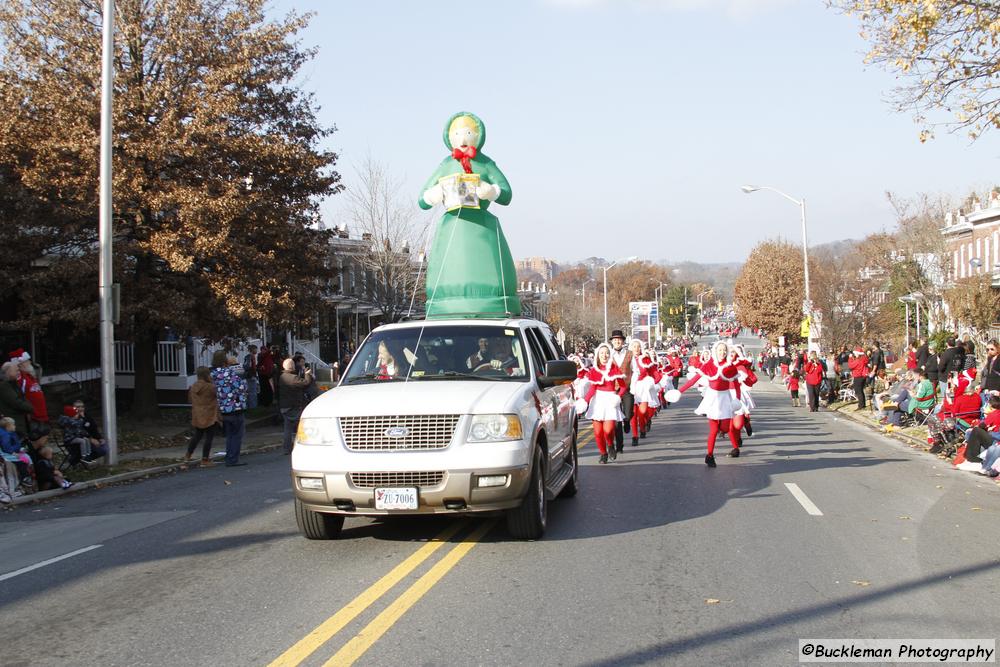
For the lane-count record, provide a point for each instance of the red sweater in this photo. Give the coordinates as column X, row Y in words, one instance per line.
column 793, row 384
column 859, row 366
column 612, row 380
column 719, row 379
column 814, row 372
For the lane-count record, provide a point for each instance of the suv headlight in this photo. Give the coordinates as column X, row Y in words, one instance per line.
column 494, row 428
column 316, row 432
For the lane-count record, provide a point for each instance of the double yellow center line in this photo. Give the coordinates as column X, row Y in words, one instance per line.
column 361, row 642
column 357, row 646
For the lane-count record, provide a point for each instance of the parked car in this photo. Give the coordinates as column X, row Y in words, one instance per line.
column 458, row 416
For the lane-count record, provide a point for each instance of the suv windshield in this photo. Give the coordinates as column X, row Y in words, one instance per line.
column 457, row 352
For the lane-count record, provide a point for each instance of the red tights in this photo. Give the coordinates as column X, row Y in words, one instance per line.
column 725, row 426
column 604, row 435
column 640, row 419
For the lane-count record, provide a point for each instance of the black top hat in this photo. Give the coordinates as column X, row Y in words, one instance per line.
column 617, row 333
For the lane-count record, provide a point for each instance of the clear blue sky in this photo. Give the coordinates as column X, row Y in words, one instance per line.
column 627, row 127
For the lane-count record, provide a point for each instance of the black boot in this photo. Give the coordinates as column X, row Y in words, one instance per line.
column 635, row 441
column 735, row 453
column 613, row 452
column 746, row 423
column 643, row 434
column 710, row 461
column 603, row 459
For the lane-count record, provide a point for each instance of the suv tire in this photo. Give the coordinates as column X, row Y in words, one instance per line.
column 527, row 522
column 317, row 525
column 573, row 485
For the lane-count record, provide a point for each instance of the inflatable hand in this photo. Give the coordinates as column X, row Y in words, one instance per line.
column 434, row 195
column 488, row 191
column 581, row 406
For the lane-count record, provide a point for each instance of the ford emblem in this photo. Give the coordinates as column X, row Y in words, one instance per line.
column 397, row 432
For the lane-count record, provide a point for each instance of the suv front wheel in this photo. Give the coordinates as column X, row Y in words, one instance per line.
column 527, row 522
column 317, row 525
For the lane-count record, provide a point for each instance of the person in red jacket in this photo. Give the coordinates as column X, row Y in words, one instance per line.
column 813, row 372
column 32, row 390
column 718, row 404
column 604, row 403
column 858, row 364
column 911, row 357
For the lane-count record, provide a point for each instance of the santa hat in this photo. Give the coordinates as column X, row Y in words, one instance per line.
column 858, row 350
column 19, row 355
column 965, row 379
column 69, row 411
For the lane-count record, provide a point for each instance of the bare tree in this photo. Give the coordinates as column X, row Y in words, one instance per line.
column 392, row 224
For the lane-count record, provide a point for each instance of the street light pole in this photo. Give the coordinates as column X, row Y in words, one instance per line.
column 805, row 249
column 606, row 297
column 105, row 235
column 584, row 289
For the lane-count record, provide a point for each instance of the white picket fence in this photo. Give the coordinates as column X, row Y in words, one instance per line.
column 174, row 357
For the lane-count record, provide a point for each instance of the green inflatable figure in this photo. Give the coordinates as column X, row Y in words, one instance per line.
column 470, row 271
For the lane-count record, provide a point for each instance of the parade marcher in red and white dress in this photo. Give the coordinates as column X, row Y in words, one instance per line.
column 718, row 404
column 607, row 384
column 622, row 356
column 741, row 389
column 641, row 385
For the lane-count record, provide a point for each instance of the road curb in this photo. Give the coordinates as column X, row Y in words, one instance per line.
column 102, row 482
column 902, row 437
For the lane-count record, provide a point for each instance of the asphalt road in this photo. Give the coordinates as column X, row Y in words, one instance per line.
column 658, row 560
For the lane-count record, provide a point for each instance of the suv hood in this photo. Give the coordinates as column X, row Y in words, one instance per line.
column 422, row 397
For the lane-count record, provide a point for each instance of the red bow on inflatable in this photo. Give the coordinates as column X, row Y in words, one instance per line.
column 463, row 155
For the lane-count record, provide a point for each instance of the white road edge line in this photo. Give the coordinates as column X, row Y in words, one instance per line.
column 23, row 570
column 803, row 499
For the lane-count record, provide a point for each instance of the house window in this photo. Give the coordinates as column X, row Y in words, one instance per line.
column 961, row 262
column 979, row 254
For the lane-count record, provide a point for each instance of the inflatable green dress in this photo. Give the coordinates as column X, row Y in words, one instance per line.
column 470, row 271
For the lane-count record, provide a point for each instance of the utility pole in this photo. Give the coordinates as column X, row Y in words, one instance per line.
column 105, row 235
column 685, row 310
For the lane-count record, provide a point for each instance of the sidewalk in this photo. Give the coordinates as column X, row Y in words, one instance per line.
column 261, row 436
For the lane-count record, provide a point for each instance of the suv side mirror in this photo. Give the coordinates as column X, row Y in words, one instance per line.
column 556, row 373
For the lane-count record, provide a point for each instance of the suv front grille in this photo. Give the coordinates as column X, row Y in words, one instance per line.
column 371, row 480
column 394, row 433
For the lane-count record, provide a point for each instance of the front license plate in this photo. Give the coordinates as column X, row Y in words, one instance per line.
column 396, row 498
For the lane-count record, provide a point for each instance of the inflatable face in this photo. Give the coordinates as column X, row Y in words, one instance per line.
column 463, row 131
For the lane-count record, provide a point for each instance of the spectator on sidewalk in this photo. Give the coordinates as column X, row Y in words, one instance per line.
column 813, row 373
column 950, row 362
column 12, row 401
column 38, row 421
column 14, row 452
column 923, row 397
column 95, row 439
column 265, row 367
column 47, row 476
column 292, row 399
column 922, row 353
column 932, row 365
column 877, row 360
column 231, row 393
column 970, row 347
column 78, row 437
column 911, row 357
column 250, row 375
column 204, row 414
column 858, row 364
column 989, row 376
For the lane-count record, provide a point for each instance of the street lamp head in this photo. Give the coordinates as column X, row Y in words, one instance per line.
column 747, row 189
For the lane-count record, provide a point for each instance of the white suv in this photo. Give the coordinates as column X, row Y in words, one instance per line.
column 438, row 417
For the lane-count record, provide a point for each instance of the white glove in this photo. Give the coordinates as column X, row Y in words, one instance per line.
column 434, row 195
column 581, row 406
column 488, row 191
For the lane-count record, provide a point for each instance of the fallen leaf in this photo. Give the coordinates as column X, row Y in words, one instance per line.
column 903, row 517
column 226, row 482
column 863, row 584
column 977, row 509
column 712, row 601
column 905, row 539
column 938, row 487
